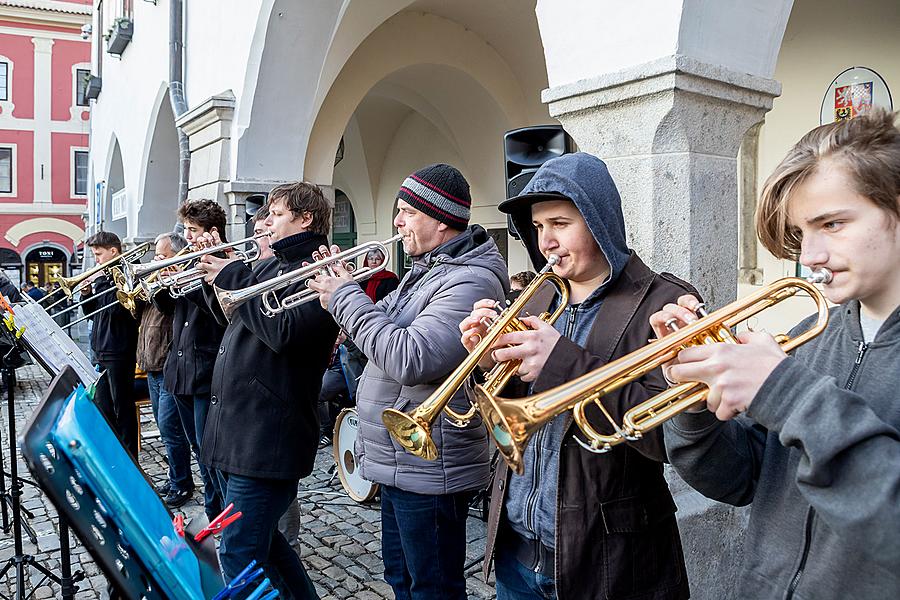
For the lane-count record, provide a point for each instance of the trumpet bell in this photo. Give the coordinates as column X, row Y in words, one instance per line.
column 507, row 425
column 413, row 436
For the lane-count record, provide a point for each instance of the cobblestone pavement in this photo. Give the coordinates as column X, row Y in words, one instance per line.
column 339, row 541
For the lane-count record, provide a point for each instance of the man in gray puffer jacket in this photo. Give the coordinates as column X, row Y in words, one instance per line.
column 412, row 342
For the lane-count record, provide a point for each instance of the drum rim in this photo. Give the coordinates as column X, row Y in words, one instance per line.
column 335, row 451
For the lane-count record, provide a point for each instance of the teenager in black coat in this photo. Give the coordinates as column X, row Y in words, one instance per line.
column 262, row 428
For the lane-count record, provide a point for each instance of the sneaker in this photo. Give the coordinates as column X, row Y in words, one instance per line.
column 324, row 441
column 176, row 498
column 163, row 489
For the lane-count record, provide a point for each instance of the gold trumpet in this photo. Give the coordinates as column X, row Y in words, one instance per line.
column 512, row 421
column 413, row 430
column 69, row 285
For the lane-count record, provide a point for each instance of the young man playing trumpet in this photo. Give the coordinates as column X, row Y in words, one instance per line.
column 114, row 337
column 262, row 430
column 411, row 342
column 196, row 336
column 576, row 524
column 817, row 453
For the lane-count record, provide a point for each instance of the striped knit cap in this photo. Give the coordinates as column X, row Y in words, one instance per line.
column 441, row 192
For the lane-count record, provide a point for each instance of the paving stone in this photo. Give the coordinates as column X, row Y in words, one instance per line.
column 339, row 540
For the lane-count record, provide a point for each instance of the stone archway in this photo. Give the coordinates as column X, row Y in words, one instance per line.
column 157, row 198
column 114, row 202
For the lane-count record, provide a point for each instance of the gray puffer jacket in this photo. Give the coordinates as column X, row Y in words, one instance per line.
column 411, row 339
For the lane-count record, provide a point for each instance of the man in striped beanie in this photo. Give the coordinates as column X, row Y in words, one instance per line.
column 441, row 192
column 411, row 339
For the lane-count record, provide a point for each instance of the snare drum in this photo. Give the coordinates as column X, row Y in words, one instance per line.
column 346, row 428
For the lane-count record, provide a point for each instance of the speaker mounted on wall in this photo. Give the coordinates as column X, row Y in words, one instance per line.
column 525, row 150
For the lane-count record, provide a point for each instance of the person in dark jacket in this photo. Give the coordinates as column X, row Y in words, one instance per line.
column 154, row 345
column 576, row 524
column 196, row 336
column 114, row 343
column 9, row 289
column 33, row 291
column 262, row 430
column 812, row 441
column 411, row 341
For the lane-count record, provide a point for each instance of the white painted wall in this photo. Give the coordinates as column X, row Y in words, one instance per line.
column 583, row 39
column 817, row 47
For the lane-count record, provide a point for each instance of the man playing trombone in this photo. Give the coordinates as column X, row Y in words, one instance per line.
column 818, row 453
column 114, row 344
column 576, row 524
column 262, row 430
column 411, row 342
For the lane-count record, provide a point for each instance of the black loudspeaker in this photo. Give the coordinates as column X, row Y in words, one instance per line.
column 525, row 150
column 251, row 205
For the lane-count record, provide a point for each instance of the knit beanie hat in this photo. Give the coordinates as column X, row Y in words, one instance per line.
column 441, row 192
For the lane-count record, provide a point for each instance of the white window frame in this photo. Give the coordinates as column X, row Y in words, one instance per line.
column 75, row 68
column 74, row 109
column 8, row 94
column 72, row 194
column 14, row 165
column 7, row 105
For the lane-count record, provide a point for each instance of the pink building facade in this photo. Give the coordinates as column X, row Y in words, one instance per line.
column 44, row 126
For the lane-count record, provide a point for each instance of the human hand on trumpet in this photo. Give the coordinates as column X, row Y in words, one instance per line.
column 532, row 347
column 330, row 278
column 734, row 373
column 210, row 264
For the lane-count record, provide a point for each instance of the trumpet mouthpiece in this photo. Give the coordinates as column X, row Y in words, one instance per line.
column 823, row 276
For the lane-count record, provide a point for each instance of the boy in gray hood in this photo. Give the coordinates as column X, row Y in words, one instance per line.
column 411, row 341
column 818, row 452
column 575, row 524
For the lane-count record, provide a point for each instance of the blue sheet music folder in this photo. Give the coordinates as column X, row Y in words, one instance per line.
column 81, row 465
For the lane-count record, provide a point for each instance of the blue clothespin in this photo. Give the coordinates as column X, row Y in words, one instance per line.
column 244, row 578
column 260, row 592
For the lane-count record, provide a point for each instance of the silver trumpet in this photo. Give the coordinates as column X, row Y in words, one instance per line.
column 230, row 300
column 188, row 278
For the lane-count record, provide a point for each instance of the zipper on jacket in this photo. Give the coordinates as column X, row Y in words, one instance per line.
column 533, row 496
column 863, row 346
column 795, row 581
column 810, row 517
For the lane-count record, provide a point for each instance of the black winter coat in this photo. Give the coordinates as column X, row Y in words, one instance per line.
column 196, row 337
column 114, row 333
column 262, row 418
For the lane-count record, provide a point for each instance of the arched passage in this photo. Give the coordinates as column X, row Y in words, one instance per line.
column 115, row 205
column 158, row 190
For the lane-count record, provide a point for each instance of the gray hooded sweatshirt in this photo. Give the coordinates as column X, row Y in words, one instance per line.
column 585, row 180
column 819, row 459
column 411, row 339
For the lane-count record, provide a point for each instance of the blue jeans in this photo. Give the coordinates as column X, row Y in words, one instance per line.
column 255, row 535
column 178, row 449
column 193, row 411
column 515, row 581
column 423, row 543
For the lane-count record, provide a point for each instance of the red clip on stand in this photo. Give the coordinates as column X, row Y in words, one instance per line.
column 219, row 523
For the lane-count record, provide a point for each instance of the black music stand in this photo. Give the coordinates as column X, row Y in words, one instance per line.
column 91, row 479
column 12, row 357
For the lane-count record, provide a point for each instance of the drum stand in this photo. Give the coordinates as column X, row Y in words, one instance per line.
column 20, row 561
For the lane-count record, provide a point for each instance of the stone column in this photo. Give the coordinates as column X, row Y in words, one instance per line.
column 670, row 131
column 208, row 127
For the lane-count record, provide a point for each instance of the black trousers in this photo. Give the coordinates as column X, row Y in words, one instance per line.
column 115, row 397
